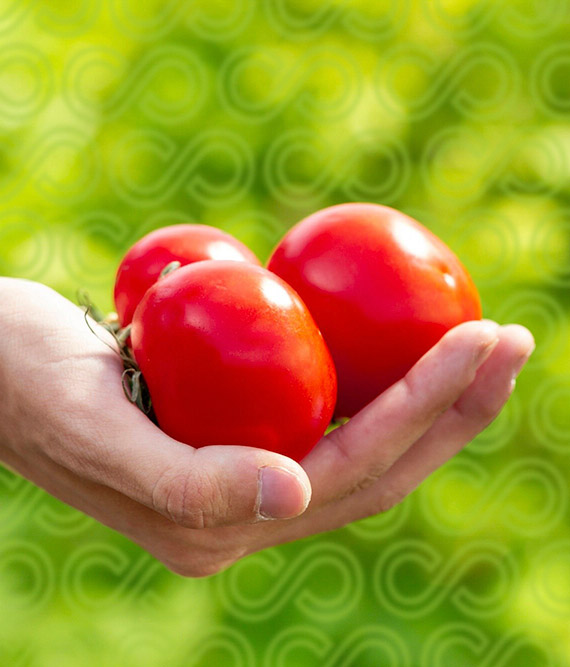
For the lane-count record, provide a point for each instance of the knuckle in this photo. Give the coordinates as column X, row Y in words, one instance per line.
column 366, row 480
column 367, row 476
column 487, row 414
column 388, row 498
column 431, row 403
column 489, row 410
column 480, row 413
column 185, row 499
column 200, row 570
column 361, row 485
column 193, row 570
column 342, row 445
column 197, row 564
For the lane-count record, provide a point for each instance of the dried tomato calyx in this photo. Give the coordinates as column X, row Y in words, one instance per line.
column 132, row 380
column 136, row 390
column 169, row 268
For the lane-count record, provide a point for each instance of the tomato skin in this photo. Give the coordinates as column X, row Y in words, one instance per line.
column 232, row 356
column 185, row 243
column 382, row 288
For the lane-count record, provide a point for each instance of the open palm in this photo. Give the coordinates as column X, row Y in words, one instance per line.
column 66, row 425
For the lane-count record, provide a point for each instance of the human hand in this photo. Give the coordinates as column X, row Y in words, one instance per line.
column 66, row 425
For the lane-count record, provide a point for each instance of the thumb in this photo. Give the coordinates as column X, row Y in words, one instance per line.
column 196, row 488
column 224, row 485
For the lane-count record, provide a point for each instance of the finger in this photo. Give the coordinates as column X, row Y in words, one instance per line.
column 355, row 455
column 472, row 413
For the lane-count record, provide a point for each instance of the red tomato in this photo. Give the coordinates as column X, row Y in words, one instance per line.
column 382, row 288
column 145, row 260
column 232, row 356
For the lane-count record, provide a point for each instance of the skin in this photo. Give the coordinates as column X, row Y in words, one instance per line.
column 66, row 426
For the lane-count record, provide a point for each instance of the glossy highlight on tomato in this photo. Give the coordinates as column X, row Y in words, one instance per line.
column 382, row 288
column 185, row 243
column 232, row 356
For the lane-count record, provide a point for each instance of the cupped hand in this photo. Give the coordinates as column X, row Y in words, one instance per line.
column 66, row 425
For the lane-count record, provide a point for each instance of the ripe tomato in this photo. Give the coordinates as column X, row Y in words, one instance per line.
column 145, row 260
column 382, row 288
column 231, row 355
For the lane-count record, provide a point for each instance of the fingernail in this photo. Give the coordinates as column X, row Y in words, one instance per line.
column 280, row 494
column 484, row 352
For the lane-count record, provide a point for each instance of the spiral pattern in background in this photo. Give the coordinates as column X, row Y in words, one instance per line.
column 117, row 117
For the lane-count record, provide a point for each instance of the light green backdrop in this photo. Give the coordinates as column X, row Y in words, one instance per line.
column 118, row 116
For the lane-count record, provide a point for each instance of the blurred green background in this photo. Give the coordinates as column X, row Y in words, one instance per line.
column 119, row 116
